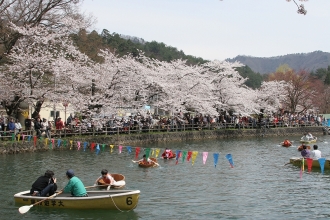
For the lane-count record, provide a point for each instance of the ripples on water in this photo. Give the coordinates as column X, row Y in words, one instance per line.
column 260, row 186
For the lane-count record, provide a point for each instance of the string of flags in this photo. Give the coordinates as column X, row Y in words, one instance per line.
column 97, row 148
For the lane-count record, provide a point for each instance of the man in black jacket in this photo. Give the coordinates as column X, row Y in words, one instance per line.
column 44, row 185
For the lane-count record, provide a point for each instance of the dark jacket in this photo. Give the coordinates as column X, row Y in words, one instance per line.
column 41, row 183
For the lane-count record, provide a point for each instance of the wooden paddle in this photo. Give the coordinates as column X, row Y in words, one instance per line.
column 26, row 208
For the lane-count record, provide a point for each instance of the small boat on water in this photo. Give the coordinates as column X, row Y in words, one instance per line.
column 308, row 141
column 119, row 181
column 286, row 143
column 112, row 200
column 149, row 164
column 300, row 148
column 297, row 161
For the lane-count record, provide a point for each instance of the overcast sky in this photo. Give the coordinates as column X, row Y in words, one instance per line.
column 214, row 29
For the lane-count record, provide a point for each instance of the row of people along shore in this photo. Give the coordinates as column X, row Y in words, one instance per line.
column 45, row 127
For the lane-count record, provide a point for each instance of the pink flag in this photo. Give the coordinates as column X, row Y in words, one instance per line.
column 205, row 157
column 53, row 142
column 78, row 144
column 23, row 136
column 120, row 148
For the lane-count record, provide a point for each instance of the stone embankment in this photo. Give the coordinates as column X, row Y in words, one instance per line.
column 15, row 147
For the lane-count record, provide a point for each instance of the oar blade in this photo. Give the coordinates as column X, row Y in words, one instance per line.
column 24, row 209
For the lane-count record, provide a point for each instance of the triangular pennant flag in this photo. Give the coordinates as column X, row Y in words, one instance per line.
column 111, row 148
column 92, row 146
column 157, row 152
column 23, row 137
column 184, row 156
column 147, row 152
column 152, row 152
column 205, row 154
column 59, row 142
column 53, row 142
column 46, row 141
column 35, row 140
column 129, row 149
column 78, row 145
column 178, row 152
column 193, row 157
column 103, row 146
column 215, row 157
column 189, row 155
column 64, row 143
column 85, row 145
column 71, row 142
column 12, row 136
column 18, row 136
column 321, row 162
column 29, row 138
column 137, row 151
column 230, row 159
column 50, row 145
column 120, row 148
column 97, row 149
column 309, row 164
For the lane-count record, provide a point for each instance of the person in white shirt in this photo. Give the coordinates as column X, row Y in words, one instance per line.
column 316, row 154
column 18, row 127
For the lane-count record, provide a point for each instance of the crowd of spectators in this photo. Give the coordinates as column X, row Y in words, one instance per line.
column 149, row 122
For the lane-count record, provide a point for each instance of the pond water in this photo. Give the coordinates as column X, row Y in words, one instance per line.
column 260, row 186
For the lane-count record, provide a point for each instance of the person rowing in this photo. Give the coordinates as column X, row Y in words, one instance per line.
column 105, row 179
column 167, row 154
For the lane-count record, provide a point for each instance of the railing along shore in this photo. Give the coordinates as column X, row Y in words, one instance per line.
column 130, row 130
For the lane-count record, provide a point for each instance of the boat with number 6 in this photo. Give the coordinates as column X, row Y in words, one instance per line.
column 112, row 200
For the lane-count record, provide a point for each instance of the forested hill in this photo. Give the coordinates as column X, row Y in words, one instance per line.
column 90, row 43
column 307, row 61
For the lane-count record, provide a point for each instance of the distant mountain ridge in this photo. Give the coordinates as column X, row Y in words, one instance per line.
column 307, row 61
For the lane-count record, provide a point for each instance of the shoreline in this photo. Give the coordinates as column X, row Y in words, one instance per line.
column 73, row 142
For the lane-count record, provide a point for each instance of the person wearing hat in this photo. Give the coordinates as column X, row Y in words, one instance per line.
column 44, row 185
column 74, row 186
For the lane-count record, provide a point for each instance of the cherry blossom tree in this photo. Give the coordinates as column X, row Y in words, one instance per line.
column 41, row 57
column 32, row 13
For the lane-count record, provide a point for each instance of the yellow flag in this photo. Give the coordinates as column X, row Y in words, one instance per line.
column 157, row 152
column 111, row 148
column 18, row 136
column 193, row 157
column 46, row 141
column 71, row 144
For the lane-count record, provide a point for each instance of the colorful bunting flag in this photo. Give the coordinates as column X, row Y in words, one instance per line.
column 322, row 162
column 193, row 157
column 230, row 160
column 120, row 149
column 189, row 155
column 129, row 149
column 157, row 152
column 215, row 157
column 35, row 140
column 147, row 152
column 205, row 154
column 59, row 142
column 184, row 156
column 78, row 145
column 111, row 148
column 85, row 145
column 137, row 151
column 309, row 164
column 97, row 149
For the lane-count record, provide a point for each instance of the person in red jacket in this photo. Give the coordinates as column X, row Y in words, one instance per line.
column 59, row 124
